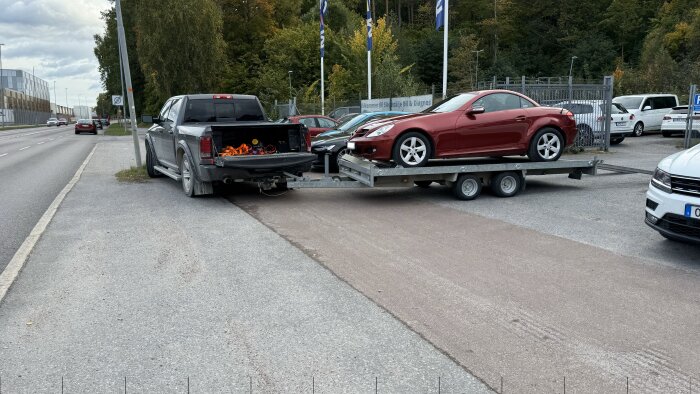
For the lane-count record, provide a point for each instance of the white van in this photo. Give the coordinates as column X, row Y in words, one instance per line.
column 648, row 110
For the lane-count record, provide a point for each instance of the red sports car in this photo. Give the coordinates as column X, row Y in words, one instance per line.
column 484, row 123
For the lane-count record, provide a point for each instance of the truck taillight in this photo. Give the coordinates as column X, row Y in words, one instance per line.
column 223, row 96
column 205, row 151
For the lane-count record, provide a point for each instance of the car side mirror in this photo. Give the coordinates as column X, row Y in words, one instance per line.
column 478, row 109
column 647, row 108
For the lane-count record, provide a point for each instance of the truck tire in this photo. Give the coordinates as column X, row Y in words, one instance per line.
column 467, row 187
column 150, row 163
column 507, row 184
column 188, row 176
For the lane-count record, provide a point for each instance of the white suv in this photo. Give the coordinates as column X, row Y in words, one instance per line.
column 673, row 198
column 648, row 110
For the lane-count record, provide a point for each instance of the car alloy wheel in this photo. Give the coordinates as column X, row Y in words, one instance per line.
column 413, row 151
column 638, row 129
column 548, row 146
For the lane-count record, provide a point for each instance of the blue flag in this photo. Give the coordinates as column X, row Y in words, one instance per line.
column 323, row 9
column 369, row 27
column 439, row 14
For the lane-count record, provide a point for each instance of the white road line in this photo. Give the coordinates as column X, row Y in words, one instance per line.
column 42, row 142
column 26, row 147
column 4, row 154
column 8, row 276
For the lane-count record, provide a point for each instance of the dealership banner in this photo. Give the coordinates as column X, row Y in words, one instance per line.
column 405, row 104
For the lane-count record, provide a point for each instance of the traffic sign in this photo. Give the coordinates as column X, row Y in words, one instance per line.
column 118, row 101
column 696, row 102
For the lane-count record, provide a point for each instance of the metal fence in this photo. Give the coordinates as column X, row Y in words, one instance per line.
column 23, row 117
column 281, row 110
column 591, row 103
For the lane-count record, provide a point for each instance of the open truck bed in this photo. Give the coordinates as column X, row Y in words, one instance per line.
column 506, row 176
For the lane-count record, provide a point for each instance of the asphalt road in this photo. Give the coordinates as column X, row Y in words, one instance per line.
column 563, row 280
column 35, row 164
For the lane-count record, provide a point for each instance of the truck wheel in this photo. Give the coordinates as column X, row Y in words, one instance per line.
column 467, row 187
column 412, row 150
column 150, row 163
column 616, row 141
column 546, row 145
column 506, row 184
column 188, row 176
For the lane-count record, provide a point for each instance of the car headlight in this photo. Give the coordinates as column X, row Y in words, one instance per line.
column 661, row 180
column 380, row 131
column 328, row 148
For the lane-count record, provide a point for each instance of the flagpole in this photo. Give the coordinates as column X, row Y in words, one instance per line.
column 322, row 9
column 323, row 92
column 444, row 52
column 369, row 52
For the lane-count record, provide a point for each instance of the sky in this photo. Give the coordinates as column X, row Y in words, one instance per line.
column 56, row 38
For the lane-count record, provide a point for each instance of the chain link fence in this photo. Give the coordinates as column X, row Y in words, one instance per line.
column 591, row 104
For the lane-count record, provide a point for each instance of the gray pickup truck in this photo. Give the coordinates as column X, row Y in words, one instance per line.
column 191, row 141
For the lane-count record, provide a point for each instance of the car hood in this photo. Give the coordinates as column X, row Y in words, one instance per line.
column 330, row 135
column 685, row 163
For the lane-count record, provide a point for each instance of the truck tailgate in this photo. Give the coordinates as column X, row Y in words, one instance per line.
column 273, row 162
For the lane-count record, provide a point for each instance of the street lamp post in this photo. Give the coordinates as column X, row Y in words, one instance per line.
column 290, row 92
column 55, row 98
column 2, row 91
column 571, row 68
column 476, row 76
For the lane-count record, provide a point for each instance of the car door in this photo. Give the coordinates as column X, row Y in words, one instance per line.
column 156, row 131
column 502, row 126
column 170, row 133
column 326, row 124
column 312, row 124
column 647, row 114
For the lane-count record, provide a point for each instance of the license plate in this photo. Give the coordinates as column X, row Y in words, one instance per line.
column 679, row 120
column 351, row 146
column 620, row 123
column 692, row 211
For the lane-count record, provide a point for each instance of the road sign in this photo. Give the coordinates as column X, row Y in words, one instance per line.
column 118, row 101
column 696, row 102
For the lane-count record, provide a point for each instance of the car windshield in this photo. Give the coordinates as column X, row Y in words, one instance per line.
column 629, row 102
column 52, row 119
column 85, row 121
column 356, row 121
column 451, row 103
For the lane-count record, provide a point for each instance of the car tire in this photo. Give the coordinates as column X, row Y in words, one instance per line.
column 467, row 187
column 546, row 145
column 616, row 141
column 507, row 184
column 76, row 133
column 150, row 164
column 187, row 176
column 638, row 130
column 423, row 184
column 412, row 150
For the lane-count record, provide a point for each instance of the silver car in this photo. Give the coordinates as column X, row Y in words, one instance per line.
column 52, row 122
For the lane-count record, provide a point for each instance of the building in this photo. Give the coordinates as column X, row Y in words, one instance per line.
column 59, row 111
column 24, row 98
column 82, row 112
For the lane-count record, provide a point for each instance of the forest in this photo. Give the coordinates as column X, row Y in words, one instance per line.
column 249, row 46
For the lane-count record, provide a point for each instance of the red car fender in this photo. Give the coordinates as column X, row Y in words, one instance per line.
column 558, row 123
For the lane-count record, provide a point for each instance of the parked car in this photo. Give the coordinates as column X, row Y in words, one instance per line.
column 335, row 141
column 105, row 122
column 62, row 122
column 85, row 126
column 203, row 139
column 97, row 123
column 673, row 197
column 52, row 122
column 340, row 111
column 648, row 110
column 590, row 120
column 316, row 124
column 674, row 121
column 482, row 123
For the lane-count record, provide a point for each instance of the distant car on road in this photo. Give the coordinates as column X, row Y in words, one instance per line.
column 335, row 141
column 590, row 121
column 52, row 122
column 62, row 122
column 85, row 126
column 648, row 110
column 674, row 121
column 475, row 124
column 673, row 198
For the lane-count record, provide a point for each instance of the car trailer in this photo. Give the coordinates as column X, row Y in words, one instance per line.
column 505, row 176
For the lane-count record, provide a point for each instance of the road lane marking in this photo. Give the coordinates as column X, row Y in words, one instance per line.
column 8, row 276
column 4, row 154
column 26, row 147
column 42, row 142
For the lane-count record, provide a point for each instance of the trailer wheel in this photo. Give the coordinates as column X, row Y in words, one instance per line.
column 506, row 184
column 467, row 187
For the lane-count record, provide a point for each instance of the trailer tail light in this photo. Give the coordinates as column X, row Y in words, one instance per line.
column 205, row 150
column 223, row 97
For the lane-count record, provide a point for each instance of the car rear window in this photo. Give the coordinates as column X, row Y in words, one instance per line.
column 83, row 121
column 679, row 110
column 616, row 108
column 629, row 102
column 218, row 110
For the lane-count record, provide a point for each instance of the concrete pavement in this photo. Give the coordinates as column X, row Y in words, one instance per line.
column 138, row 281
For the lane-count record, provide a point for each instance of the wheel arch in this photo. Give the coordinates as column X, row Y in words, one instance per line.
column 419, row 131
column 558, row 129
